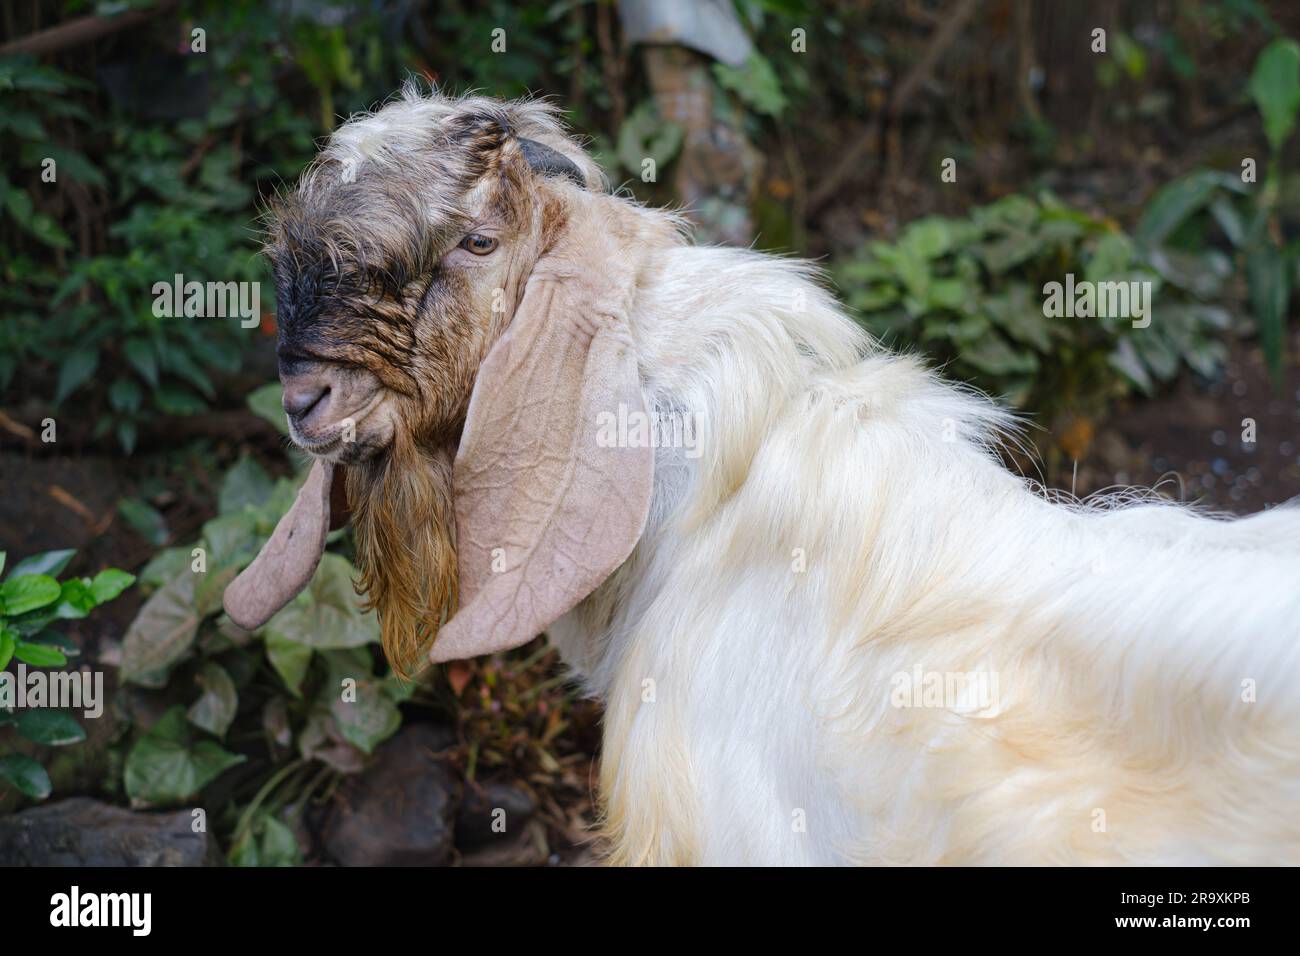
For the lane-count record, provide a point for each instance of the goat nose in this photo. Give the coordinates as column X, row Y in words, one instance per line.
column 301, row 397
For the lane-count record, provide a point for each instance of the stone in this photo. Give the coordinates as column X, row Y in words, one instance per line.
column 399, row 811
column 85, row 832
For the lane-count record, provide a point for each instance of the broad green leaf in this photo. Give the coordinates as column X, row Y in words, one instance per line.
column 167, row 765
column 279, row 847
column 1275, row 87
column 53, row 728
column 644, row 135
column 125, row 395
column 52, row 563
column 247, row 483
column 75, row 371
column 147, row 520
column 290, row 660
column 143, row 358
column 267, row 402
column 1174, row 204
column 18, row 595
column 368, row 720
column 167, row 564
column 109, row 583
column 1112, row 257
column 8, row 641
column 755, row 82
column 928, row 238
column 39, row 655
column 216, row 706
column 24, row 773
column 232, row 538
column 161, row 634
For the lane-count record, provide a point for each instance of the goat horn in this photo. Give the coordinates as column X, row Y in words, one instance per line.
column 551, row 162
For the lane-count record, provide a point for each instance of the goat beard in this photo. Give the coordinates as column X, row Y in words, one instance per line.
column 402, row 510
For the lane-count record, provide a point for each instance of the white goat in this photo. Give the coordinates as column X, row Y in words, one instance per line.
column 828, row 628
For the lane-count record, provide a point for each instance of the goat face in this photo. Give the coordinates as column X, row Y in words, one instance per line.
column 395, row 270
column 445, row 291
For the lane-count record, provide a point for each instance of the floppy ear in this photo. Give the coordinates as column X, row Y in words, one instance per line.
column 289, row 558
column 545, row 513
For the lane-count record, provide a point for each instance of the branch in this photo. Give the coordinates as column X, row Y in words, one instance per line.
column 83, row 30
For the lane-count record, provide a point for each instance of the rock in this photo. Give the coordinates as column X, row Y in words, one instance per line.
column 521, row 846
column 86, row 832
column 479, row 811
column 400, row 810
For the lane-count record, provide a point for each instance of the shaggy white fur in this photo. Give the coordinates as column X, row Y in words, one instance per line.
column 846, row 529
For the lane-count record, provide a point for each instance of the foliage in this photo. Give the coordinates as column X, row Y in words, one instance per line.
column 308, row 686
column 971, row 292
column 32, row 601
column 1176, row 223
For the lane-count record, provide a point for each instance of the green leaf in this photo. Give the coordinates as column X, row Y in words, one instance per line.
column 26, row 775
column 125, row 395
column 161, row 634
column 143, row 358
column 52, row 563
column 756, row 83
column 290, row 660
column 167, row 766
column 279, row 847
column 1275, row 87
column 232, row 538
column 8, row 642
column 76, row 599
column 109, row 583
column 167, row 564
column 1174, row 204
column 39, row 655
column 75, row 371
column 644, row 135
column 928, row 238
column 1270, row 295
column 18, row 595
column 216, row 706
column 267, row 402
column 147, row 520
column 1112, row 257
column 370, row 719
column 247, row 483
column 52, row 728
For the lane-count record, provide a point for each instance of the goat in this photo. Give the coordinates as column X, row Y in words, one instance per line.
column 832, row 629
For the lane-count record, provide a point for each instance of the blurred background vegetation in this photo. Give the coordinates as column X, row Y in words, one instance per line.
column 944, row 159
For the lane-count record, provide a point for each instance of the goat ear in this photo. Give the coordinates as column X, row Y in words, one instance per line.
column 544, row 512
column 288, row 560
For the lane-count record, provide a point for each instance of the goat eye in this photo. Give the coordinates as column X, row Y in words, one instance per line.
column 479, row 245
